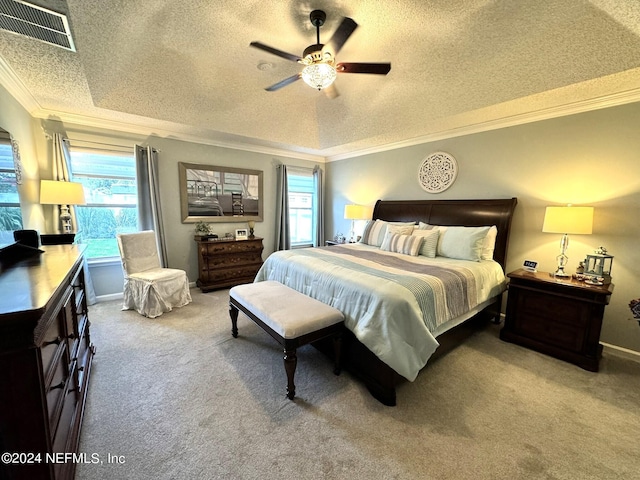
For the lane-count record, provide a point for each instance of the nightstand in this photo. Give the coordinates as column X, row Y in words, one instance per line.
column 558, row 317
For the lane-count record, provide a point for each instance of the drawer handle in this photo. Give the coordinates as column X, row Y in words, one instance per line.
column 60, row 385
column 53, row 342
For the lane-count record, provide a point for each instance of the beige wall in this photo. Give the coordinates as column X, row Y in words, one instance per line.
column 31, row 135
column 586, row 159
column 17, row 121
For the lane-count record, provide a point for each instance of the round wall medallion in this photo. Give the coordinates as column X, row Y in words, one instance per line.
column 437, row 172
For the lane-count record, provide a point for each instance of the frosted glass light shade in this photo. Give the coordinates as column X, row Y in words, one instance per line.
column 319, row 75
column 573, row 220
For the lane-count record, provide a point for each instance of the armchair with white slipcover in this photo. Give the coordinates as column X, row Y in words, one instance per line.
column 149, row 288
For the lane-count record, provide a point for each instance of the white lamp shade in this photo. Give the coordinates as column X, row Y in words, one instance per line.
column 573, row 220
column 357, row 212
column 54, row 192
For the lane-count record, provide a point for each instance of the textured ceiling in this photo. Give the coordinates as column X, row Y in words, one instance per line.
column 186, row 68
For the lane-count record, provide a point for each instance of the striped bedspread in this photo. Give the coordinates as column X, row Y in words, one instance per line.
column 394, row 304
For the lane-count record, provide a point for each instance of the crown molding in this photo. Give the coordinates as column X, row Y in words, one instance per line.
column 606, row 101
column 10, row 81
column 140, row 128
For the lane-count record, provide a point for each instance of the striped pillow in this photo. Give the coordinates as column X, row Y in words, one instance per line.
column 429, row 242
column 405, row 244
column 374, row 232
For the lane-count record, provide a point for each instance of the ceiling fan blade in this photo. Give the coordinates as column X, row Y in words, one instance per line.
column 331, row 91
column 283, row 83
column 341, row 35
column 376, row 68
column 275, row 51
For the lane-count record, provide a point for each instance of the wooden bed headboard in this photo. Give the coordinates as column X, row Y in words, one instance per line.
column 468, row 213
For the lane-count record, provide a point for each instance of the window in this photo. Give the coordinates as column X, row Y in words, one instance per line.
column 10, row 214
column 109, row 180
column 301, row 206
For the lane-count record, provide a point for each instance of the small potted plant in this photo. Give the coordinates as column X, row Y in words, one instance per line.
column 202, row 229
column 634, row 306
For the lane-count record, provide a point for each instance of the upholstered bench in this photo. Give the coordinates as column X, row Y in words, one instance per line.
column 290, row 317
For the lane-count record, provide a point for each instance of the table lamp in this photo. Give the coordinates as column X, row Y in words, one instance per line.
column 353, row 213
column 53, row 192
column 566, row 220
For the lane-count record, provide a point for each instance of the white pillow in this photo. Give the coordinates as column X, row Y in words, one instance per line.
column 429, row 242
column 405, row 244
column 489, row 243
column 464, row 243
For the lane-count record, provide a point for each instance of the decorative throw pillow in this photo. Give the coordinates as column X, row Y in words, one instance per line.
column 374, row 232
column 399, row 229
column 405, row 244
column 464, row 243
column 429, row 241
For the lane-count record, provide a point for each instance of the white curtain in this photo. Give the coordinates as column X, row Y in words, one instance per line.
column 318, row 224
column 283, row 236
column 149, row 208
column 62, row 172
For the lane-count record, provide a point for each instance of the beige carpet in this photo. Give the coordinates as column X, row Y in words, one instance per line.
column 178, row 398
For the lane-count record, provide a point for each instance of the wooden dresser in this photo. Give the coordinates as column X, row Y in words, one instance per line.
column 225, row 263
column 45, row 360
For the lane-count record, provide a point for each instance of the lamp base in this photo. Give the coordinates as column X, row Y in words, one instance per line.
column 65, row 219
column 562, row 260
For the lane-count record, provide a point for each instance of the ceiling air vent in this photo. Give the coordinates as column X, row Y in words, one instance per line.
column 36, row 22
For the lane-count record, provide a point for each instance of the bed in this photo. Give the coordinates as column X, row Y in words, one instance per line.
column 396, row 302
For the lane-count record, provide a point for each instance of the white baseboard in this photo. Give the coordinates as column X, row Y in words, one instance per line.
column 621, row 351
column 108, row 298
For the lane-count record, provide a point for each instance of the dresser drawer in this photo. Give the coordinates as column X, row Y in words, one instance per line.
column 221, row 261
column 69, row 403
column 208, row 249
column 225, row 274
column 51, row 342
column 82, row 359
column 55, row 387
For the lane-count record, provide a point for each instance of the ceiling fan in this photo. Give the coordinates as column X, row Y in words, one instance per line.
column 319, row 60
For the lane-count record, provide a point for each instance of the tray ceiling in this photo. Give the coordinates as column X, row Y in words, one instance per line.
column 186, row 69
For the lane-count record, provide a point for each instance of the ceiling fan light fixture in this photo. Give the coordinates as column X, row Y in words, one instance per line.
column 319, row 75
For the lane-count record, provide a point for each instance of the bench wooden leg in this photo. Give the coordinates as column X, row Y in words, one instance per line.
column 233, row 313
column 290, row 362
column 337, row 349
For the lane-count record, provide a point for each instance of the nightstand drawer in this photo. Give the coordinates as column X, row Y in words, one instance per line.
column 552, row 308
column 560, row 334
